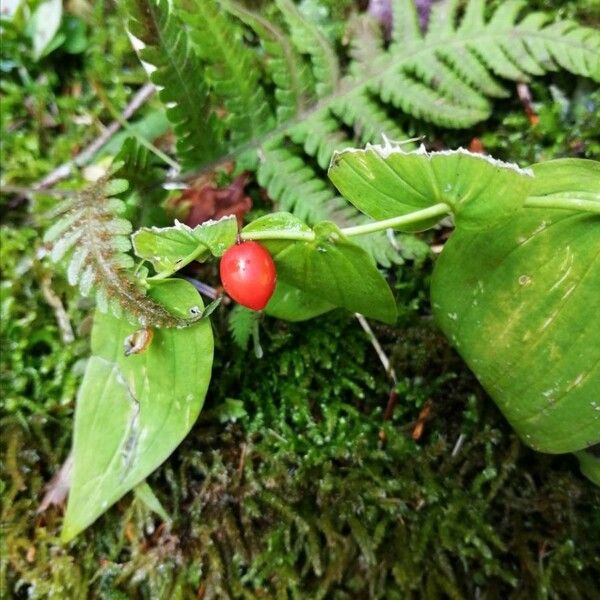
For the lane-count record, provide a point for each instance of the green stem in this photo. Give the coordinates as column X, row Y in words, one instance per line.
column 575, row 204
column 437, row 210
column 277, row 234
column 180, row 264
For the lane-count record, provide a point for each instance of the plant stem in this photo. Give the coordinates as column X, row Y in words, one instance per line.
column 575, row 204
column 84, row 157
column 180, row 264
column 437, row 210
column 277, row 234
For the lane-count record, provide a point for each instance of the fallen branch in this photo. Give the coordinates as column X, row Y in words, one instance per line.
column 86, row 155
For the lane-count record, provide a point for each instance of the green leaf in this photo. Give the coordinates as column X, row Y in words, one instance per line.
column 149, row 127
column 520, row 304
column 329, row 268
column 74, row 30
column 171, row 248
column 144, row 493
column 589, row 464
column 43, row 26
column 278, row 221
column 181, row 297
column 385, row 182
column 132, row 412
column 574, row 179
column 292, row 304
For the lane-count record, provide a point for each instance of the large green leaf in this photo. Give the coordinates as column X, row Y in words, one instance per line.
column 292, row 304
column 521, row 303
column 573, row 178
column 133, row 411
column 385, row 182
column 330, row 268
column 170, row 248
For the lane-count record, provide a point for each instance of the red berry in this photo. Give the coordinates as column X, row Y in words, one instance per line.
column 248, row 274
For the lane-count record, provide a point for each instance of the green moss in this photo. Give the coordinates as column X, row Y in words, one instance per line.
column 299, row 498
column 284, row 489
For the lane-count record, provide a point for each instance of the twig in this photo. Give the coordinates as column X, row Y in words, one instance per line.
column 240, row 470
column 389, row 371
column 526, row 99
column 86, row 155
column 64, row 324
column 385, row 361
column 28, row 191
column 458, row 445
column 129, row 129
column 389, row 408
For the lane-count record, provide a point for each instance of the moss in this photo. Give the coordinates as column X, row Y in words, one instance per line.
column 284, row 488
column 299, row 498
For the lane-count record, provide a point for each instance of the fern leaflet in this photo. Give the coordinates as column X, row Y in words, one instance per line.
column 231, row 69
column 178, row 74
column 310, row 40
column 285, row 66
column 92, row 234
column 241, row 322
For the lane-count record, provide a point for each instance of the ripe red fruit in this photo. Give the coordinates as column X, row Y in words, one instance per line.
column 248, row 274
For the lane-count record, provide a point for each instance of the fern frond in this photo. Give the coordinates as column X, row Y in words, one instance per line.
column 308, row 39
column 178, row 74
column 364, row 112
column 442, row 19
column 241, row 323
column 446, row 76
column 405, row 23
column 286, row 68
column 366, row 42
column 287, row 177
column 94, row 237
column 231, row 69
column 320, row 136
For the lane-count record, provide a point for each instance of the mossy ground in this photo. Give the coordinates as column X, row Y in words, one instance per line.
column 293, row 491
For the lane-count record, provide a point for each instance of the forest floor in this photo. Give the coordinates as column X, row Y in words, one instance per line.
column 292, row 484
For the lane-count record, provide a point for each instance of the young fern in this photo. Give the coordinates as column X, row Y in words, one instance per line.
column 164, row 48
column 241, row 323
column 94, row 237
